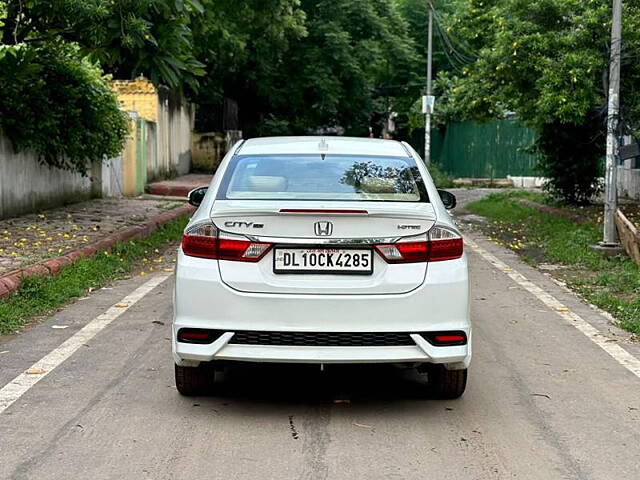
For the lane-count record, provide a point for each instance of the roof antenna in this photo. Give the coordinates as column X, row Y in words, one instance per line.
column 323, row 146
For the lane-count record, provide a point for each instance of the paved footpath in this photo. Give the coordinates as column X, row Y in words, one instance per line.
column 180, row 186
column 552, row 395
column 29, row 238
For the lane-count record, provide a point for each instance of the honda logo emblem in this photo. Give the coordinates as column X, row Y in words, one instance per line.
column 323, row 229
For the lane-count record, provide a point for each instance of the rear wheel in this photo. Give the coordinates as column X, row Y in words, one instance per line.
column 447, row 384
column 192, row 381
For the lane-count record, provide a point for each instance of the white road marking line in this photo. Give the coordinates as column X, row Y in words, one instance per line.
column 623, row 357
column 17, row 387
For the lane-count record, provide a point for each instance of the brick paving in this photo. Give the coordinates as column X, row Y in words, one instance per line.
column 27, row 239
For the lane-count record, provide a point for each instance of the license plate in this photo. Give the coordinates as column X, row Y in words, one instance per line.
column 323, row 260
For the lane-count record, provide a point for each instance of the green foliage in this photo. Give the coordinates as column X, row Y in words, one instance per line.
column 543, row 60
column 294, row 66
column 53, row 97
column 547, row 61
column 41, row 295
column 243, row 44
column 446, row 110
column 571, row 159
column 441, row 178
column 128, row 38
column 58, row 104
column 415, row 13
column 331, row 76
column 611, row 283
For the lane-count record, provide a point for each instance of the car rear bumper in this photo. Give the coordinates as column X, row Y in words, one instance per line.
column 203, row 301
column 222, row 349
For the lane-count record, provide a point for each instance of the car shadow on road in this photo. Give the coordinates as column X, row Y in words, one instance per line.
column 308, row 384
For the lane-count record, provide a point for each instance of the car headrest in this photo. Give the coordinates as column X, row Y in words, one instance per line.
column 263, row 183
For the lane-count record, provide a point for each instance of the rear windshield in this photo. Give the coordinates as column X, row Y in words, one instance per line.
column 334, row 177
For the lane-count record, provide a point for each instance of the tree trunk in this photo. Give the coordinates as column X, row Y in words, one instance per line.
column 10, row 23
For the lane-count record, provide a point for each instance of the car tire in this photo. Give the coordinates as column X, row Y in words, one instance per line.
column 447, row 384
column 193, row 381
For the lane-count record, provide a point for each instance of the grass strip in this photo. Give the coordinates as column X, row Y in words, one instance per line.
column 612, row 284
column 41, row 295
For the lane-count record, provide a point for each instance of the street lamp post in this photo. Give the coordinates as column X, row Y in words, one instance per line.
column 610, row 235
column 427, row 103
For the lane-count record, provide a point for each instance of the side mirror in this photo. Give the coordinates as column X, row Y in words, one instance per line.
column 448, row 198
column 197, row 195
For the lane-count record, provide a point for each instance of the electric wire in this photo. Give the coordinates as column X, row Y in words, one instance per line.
column 458, row 57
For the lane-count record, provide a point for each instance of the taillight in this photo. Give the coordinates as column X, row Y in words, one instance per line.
column 438, row 245
column 201, row 240
column 205, row 241
column 444, row 244
column 241, row 250
column 406, row 252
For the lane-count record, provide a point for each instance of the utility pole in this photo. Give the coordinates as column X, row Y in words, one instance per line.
column 427, row 102
column 610, row 235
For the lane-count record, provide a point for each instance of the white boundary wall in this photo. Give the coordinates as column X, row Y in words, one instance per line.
column 26, row 186
column 629, row 180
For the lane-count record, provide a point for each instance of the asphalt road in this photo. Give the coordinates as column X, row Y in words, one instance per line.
column 544, row 401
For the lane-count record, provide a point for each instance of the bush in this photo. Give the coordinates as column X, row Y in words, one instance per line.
column 571, row 160
column 441, row 178
column 56, row 103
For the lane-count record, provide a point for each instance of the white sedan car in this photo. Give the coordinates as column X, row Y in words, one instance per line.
column 322, row 250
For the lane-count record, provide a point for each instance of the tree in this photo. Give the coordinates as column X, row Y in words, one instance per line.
column 128, row 38
column 331, row 78
column 242, row 44
column 59, row 105
column 548, row 62
column 54, row 98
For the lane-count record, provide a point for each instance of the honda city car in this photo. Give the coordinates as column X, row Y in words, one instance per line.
column 318, row 250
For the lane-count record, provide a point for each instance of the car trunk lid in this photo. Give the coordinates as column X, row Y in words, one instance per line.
column 320, row 224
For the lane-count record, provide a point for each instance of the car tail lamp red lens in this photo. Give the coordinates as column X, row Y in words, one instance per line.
column 440, row 244
column 204, row 241
column 444, row 244
column 197, row 335
column 241, row 250
column 201, row 241
column 446, row 339
column 408, row 252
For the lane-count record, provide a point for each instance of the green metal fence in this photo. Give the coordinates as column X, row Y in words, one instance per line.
column 481, row 150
